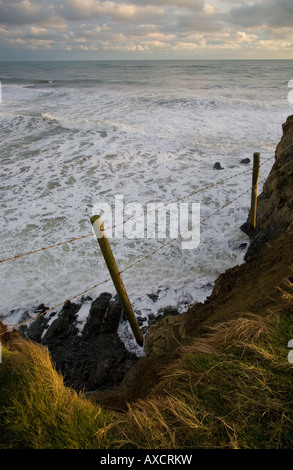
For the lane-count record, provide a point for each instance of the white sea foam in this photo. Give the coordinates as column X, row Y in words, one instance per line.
column 152, row 133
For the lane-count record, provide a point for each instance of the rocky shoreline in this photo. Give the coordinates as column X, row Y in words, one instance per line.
column 90, row 357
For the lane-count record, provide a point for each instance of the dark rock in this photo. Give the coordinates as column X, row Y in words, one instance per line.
column 151, row 318
column 141, row 320
column 104, row 316
column 86, row 299
column 37, row 327
column 63, row 326
column 162, row 312
column 168, row 311
column 96, row 316
column 243, row 246
column 96, row 359
column 112, row 316
column 153, row 297
column 245, row 161
column 274, row 204
column 218, row 166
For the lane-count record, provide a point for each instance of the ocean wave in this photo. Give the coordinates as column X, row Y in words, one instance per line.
column 188, row 103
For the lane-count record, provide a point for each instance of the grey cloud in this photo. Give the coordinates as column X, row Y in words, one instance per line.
column 265, row 13
column 182, row 14
column 200, row 22
column 35, row 11
column 189, row 4
column 25, row 12
column 126, row 11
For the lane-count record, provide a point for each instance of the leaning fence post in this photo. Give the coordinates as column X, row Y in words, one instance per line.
column 103, row 241
column 255, row 176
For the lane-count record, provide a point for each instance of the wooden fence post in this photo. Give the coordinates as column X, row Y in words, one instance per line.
column 255, row 176
column 103, row 241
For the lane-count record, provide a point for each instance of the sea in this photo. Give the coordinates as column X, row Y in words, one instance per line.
column 79, row 134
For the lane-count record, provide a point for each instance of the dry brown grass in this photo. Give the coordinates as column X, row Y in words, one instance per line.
column 37, row 410
column 231, row 388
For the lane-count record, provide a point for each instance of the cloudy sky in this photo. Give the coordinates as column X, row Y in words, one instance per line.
column 146, row 29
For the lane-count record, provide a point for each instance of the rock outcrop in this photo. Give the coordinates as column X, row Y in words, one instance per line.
column 275, row 203
column 94, row 358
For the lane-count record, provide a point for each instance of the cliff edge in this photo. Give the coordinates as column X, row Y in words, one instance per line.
column 275, row 203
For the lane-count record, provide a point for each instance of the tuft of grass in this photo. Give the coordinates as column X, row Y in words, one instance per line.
column 230, row 389
column 37, row 410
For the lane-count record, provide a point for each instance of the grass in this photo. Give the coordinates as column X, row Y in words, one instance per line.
column 37, row 410
column 230, row 389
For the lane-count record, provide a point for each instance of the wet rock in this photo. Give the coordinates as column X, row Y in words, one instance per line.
column 96, row 358
column 163, row 312
column 243, row 246
column 245, row 161
column 218, row 166
column 34, row 333
column 63, row 326
column 274, row 204
column 153, row 297
column 97, row 314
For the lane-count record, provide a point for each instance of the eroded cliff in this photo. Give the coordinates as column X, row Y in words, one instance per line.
column 275, row 203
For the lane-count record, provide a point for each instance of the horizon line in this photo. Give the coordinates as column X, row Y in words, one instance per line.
column 143, row 60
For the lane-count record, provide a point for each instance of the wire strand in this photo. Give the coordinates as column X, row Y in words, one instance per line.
column 58, row 305
column 149, row 254
column 131, row 218
column 133, row 264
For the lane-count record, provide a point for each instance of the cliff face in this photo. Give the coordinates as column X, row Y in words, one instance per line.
column 275, row 203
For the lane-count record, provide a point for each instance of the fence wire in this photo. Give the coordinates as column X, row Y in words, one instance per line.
column 158, row 249
column 82, row 237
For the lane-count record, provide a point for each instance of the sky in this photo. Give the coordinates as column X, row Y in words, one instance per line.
column 145, row 29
